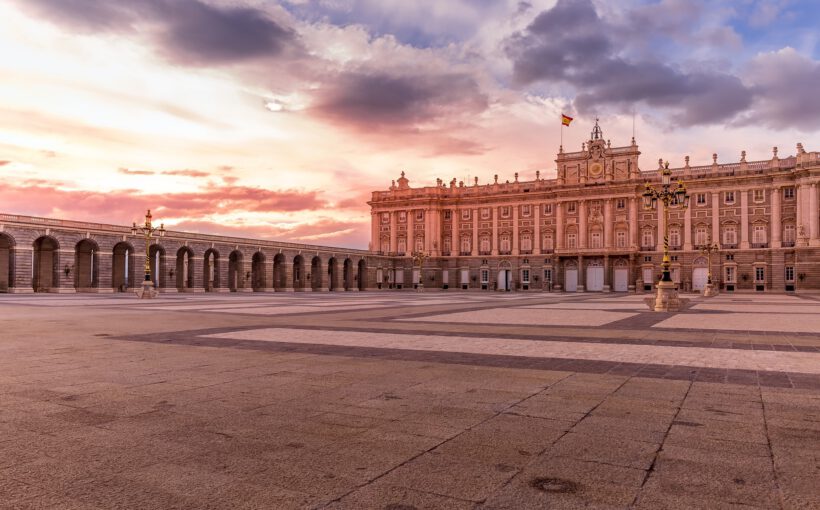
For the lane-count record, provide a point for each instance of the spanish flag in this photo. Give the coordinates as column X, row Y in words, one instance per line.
column 565, row 119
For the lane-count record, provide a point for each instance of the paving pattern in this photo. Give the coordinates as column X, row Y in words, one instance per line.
column 399, row 400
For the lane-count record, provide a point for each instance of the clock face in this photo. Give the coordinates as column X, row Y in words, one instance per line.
column 595, row 170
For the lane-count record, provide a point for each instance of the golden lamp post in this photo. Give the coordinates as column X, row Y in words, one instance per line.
column 708, row 249
column 418, row 259
column 147, row 231
column 669, row 196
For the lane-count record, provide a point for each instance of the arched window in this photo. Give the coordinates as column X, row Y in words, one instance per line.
column 789, row 233
column 620, row 239
column 700, row 236
column 505, row 243
column 526, row 242
column 674, row 237
column 446, row 245
column 759, row 234
column 595, row 239
column 485, row 244
column 548, row 243
column 647, row 238
column 402, row 245
column 466, row 245
column 730, row 234
column 419, row 246
column 572, row 240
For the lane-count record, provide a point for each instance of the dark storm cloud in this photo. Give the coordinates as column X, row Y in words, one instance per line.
column 379, row 99
column 190, row 32
column 571, row 44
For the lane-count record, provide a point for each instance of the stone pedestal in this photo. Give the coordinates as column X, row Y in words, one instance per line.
column 420, row 287
column 666, row 299
column 147, row 291
column 710, row 290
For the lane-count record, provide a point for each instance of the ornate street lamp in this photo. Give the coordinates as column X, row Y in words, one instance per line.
column 669, row 196
column 418, row 259
column 147, row 230
column 708, row 249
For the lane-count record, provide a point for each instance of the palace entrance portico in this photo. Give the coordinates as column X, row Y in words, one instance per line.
column 592, row 273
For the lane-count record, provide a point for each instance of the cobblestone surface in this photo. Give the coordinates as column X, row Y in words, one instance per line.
column 381, row 400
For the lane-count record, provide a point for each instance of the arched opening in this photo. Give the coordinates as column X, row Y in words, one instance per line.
column 361, row 276
column 258, row 282
column 279, row 273
column 210, row 270
column 123, row 269
column 236, row 276
column 298, row 273
column 86, row 265
column 185, row 269
column 156, row 255
column 46, row 264
column 316, row 274
column 347, row 274
column 332, row 274
column 6, row 262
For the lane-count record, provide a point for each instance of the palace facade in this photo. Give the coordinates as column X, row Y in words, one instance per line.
column 586, row 228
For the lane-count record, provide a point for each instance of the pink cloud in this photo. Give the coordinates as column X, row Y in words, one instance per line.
column 186, row 173
column 128, row 171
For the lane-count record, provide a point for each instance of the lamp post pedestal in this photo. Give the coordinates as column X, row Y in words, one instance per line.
column 666, row 298
column 147, row 291
column 710, row 290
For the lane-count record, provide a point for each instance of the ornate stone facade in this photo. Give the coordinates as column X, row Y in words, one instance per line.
column 586, row 228
column 51, row 255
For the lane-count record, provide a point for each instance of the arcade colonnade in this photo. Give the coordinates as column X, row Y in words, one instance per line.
column 51, row 255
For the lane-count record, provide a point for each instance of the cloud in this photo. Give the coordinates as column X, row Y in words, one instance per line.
column 190, row 32
column 186, row 173
column 323, row 231
column 572, row 44
column 128, row 171
column 4, row 162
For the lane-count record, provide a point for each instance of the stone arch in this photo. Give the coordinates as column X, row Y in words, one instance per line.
column 347, row 274
column 7, row 249
column 279, row 273
column 185, row 269
column 156, row 255
column 361, row 274
column 316, row 273
column 45, row 264
column 123, row 268
column 258, row 279
column 332, row 274
column 210, row 270
column 298, row 273
column 236, row 275
column 86, row 265
column 699, row 261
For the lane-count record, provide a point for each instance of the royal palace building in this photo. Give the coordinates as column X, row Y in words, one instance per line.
column 586, row 229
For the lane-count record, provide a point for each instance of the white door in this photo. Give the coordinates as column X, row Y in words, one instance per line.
column 621, row 280
column 400, row 276
column 595, row 279
column 416, row 276
column 699, row 277
column 465, row 276
column 648, row 279
column 571, row 280
column 445, row 277
column 502, row 279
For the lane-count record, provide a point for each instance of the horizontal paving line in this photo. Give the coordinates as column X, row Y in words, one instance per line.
column 649, row 370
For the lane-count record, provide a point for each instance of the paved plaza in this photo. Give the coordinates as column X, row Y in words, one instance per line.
column 400, row 401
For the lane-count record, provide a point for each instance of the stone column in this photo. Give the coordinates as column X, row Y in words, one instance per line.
column 715, row 216
column 633, row 222
column 814, row 219
column 744, row 221
column 475, row 233
column 411, row 234
column 435, row 223
column 21, row 260
column 198, row 261
column 687, row 229
column 559, row 225
column 536, row 241
column 394, row 240
column 515, row 250
column 777, row 227
column 375, row 241
column 287, row 267
column 582, row 225
column 608, row 224
column 607, row 277
column 455, row 233
column 582, row 274
column 494, row 240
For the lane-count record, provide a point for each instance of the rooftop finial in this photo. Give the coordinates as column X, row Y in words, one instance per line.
column 597, row 134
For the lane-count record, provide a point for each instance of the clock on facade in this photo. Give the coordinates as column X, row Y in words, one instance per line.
column 595, row 170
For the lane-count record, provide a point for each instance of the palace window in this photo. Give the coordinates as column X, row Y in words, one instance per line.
column 385, row 217
column 525, row 276
column 595, row 240
column 485, row 276
column 730, row 274
column 759, row 234
column 447, row 215
column 674, row 238
column 384, row 245
column 547, row 276
column 760, row 274
column 419, row 215
column 620, row 203
column 758, row 195
column 789, row 233
column 505, row 212
column 647, row 239
column 547, row 243
column 526, row 242
column 419, row 244
column 402, row 246
column 700, row 236
column 728, row 197
column 505, row 243
column 465, row 214
column 788, row 193
column 547, row 208
column 700, row 198
column 730, row 256
column 485, row 244
column 730, row 235
column 485, row 213
column 620, row 239
column 446, row 245
column 571, row 240
column 525, row 211
column 571, row 207
column 402, row 216
column 790, row 274
column 466, row 245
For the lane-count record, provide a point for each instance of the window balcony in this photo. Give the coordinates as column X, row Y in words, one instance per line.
column 525, row 252
column 465, row 253
column 727, row 246
column 484, row 252
column 788, row 244
column 445, row 253
column 547, row 250
column 507, row 252
column 676, row 247
column 648, row 248
column 760, row 245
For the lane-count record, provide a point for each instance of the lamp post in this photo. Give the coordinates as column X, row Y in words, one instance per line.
column 708, row 249
column 418, row 259
column 669, row 196
column 147, row 231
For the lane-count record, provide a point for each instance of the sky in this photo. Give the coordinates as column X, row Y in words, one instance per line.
column 277, row 120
